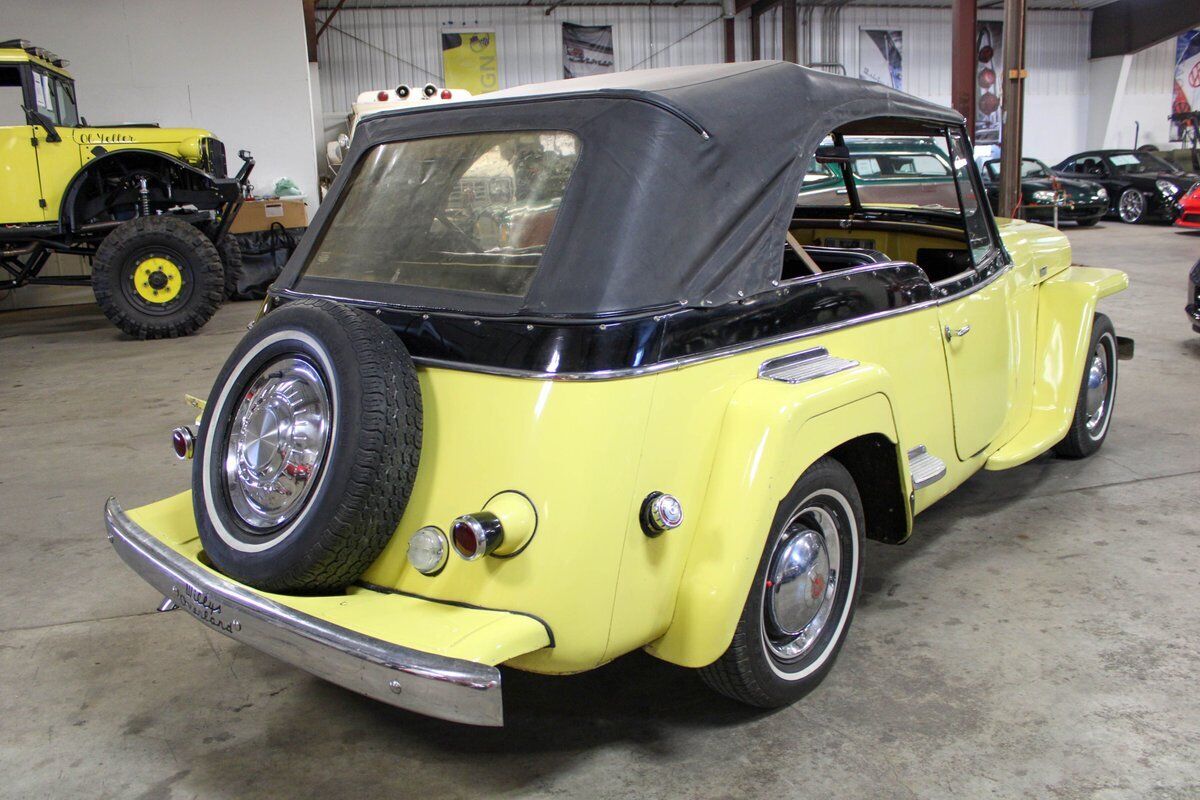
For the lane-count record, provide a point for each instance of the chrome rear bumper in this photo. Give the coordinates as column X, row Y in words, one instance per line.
column 448, row 688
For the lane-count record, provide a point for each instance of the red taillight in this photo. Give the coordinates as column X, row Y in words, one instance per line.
column 476, row 535
column 381, row 96
column 183, row 441
column 446, row 95
column 465, row 542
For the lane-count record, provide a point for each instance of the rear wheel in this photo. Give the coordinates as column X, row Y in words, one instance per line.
column 1097, row 394
column 800, row 604
column 158, row 277
column 310, row 444
column 235, row 270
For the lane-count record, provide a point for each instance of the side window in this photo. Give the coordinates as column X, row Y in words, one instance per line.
column 1069, row 166
column 43, row 95
column 64, row 94
column 975, row 218
column 11, row 97
column 1090, row 165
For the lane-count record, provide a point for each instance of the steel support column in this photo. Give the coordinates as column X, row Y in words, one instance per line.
column 755, row 32
column 962, row 61
column 729, row 11
column 788, row 10
column 1013, row 105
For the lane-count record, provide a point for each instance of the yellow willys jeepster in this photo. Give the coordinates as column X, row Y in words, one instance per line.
column 578, row 368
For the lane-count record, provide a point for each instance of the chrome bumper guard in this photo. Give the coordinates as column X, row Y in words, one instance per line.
column 447, row 688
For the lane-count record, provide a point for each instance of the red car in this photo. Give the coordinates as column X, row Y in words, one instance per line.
column 1189, row 209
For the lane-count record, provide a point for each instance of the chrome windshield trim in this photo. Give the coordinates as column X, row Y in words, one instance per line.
column 437, row 686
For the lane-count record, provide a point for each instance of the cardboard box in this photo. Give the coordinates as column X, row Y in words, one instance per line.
column 259, row 215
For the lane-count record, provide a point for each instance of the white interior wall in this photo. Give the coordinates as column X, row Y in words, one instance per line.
column 1142, row 109
column 238, row 69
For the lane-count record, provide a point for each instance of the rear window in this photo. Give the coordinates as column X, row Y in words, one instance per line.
column 465, row 213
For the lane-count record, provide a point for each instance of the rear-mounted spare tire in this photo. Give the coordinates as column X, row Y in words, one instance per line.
column 308, row 449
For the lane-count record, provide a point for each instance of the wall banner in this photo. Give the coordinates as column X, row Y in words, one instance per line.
column 469, row 61
column 988, row 69
column 880, row 57
column 1186, row 92
column 587, row 50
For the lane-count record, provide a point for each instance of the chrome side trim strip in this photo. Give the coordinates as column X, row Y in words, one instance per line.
column 674, row 363
column 804, row 366
column 448, row 688
column 926, row 468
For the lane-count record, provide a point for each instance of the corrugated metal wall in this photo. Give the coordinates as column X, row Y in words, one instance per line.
column 374, row 48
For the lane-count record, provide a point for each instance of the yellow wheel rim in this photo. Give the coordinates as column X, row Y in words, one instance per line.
column 157, row 280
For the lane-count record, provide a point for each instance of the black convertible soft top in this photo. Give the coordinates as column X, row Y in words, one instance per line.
column 686, row 182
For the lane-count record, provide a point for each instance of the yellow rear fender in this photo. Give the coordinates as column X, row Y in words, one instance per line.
column 1066, row 306
column 772, row 432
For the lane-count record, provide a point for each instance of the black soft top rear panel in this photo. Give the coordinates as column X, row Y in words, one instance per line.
column 685, row 185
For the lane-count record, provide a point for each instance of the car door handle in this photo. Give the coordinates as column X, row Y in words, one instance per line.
column 951, row 333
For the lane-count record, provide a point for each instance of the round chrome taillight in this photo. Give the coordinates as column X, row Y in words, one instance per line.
column 183, row 442
column 428, row 550
column 476, row 535
column 660, row 512
column 402, row 91
column 430, row 90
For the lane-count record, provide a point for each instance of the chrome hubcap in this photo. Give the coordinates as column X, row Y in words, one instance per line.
column 802, row 582
column 1096, row 398
column 277, row 442
column 1132, row 204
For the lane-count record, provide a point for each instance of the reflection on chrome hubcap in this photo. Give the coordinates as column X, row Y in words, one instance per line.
column 802, row 582
column 277, row 442
column 1132, row 204
column 1096, row 398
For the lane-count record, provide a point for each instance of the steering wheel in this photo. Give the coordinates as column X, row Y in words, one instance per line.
column 460, row 234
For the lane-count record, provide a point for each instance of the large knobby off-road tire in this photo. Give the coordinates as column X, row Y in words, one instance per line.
column 802, row 598
column 235, row 269
column 158, row 277
column 308, row 449
column 1097, row 394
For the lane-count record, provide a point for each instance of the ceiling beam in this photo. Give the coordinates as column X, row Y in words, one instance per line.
column 310, row 32
column 329, row 18
column 1127, row 26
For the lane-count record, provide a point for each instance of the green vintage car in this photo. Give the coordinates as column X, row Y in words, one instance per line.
column 1042, row 193
column 887, row 172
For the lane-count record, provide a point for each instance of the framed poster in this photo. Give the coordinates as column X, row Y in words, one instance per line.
column 469, row 61
column 988, row 69
column 880, row 57
column 587, row 50
column 1185, row 94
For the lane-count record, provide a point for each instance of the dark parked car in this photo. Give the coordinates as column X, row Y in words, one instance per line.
column 1193, row 306
column 1080, row 201
column 1140, row 185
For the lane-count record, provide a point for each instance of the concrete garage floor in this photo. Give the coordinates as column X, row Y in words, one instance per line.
column 1038, row 637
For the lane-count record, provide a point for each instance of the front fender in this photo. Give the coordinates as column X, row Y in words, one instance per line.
column 1066, row 305
column 771, row 434
column 223, row 190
